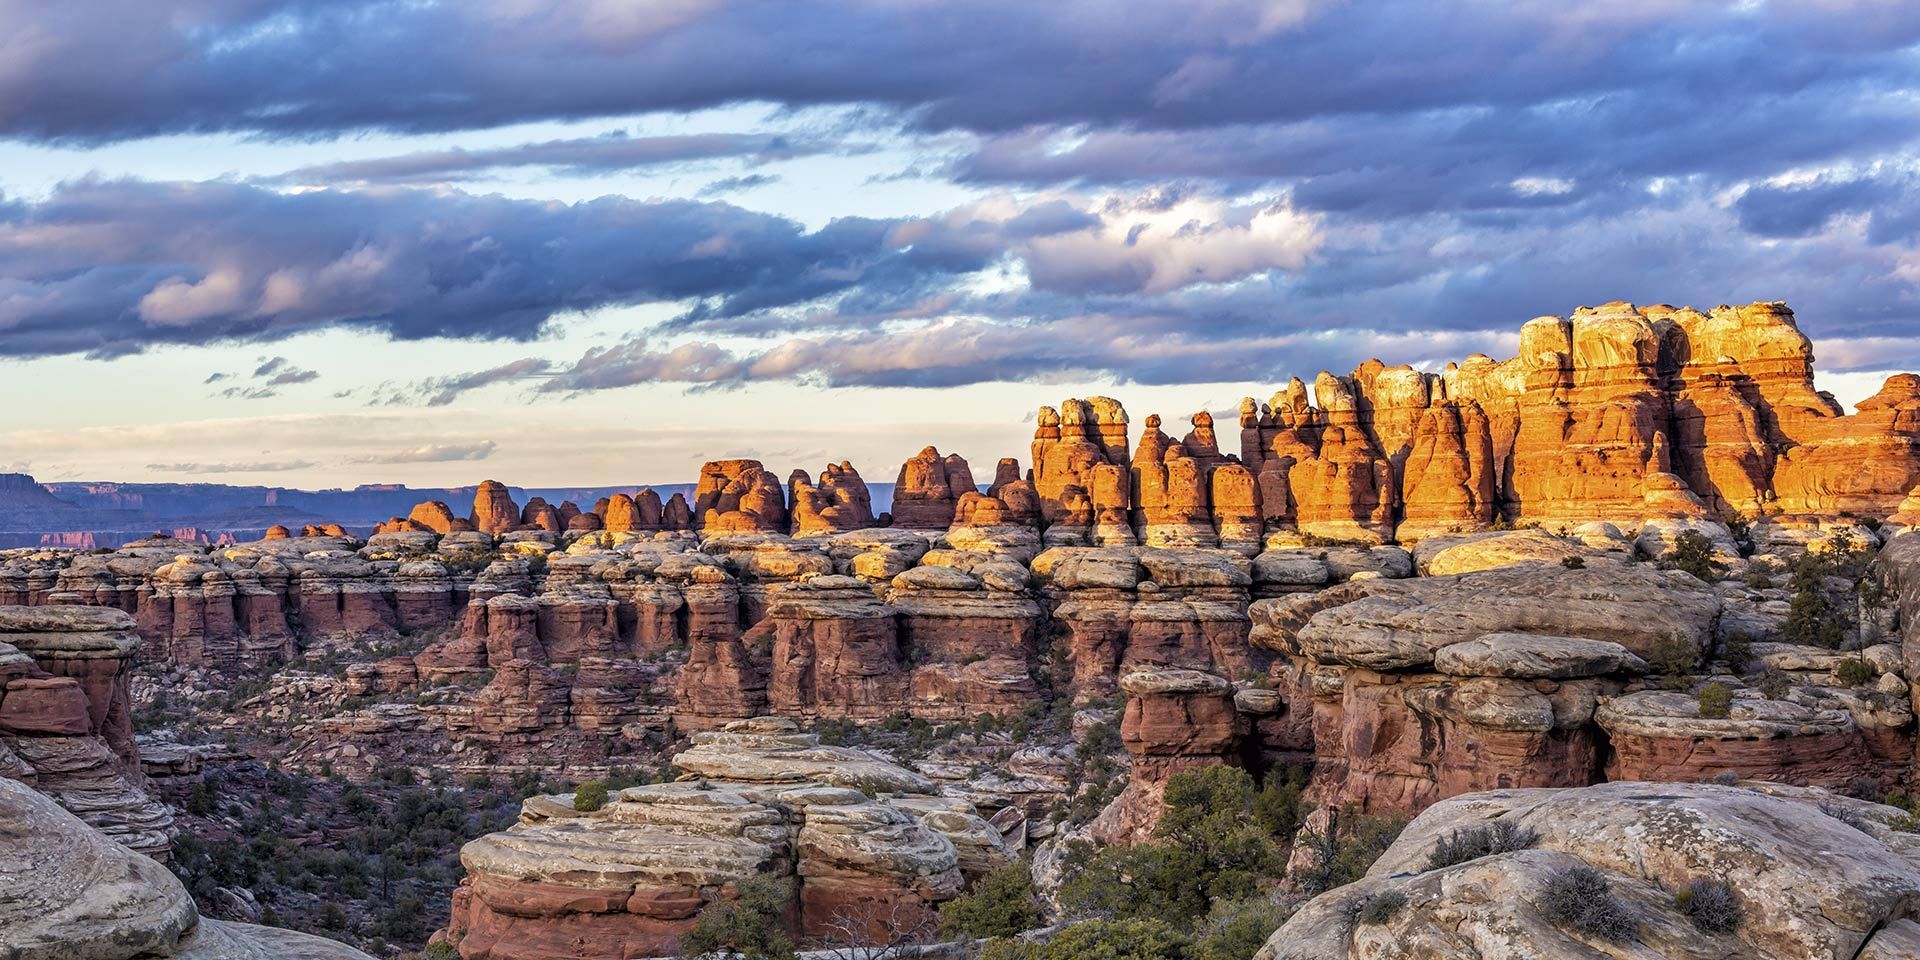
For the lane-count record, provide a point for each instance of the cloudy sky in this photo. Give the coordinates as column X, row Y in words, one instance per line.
column 328, row 242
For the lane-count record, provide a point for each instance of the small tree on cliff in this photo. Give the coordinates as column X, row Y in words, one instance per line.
column 1209, row 845
column 753, row 924
column 1000, row 904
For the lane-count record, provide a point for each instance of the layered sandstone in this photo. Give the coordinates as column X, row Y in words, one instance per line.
column 66, row 720
column 866, row 845
column 78, row 896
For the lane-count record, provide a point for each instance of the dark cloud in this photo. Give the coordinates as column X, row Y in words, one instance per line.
column 1890, row 202
column 109, row 267
column 123, row 69
column 583, row 156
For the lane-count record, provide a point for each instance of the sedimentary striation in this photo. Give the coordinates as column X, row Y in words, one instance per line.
column 870, row 846
column 76, row 895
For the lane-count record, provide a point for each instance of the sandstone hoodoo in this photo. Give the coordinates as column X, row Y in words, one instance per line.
column 1640, row 593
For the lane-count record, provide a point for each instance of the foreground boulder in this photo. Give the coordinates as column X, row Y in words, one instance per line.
column 1814, row 875
column 71, row 894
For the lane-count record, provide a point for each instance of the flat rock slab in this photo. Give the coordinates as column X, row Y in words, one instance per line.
column 1532, row 656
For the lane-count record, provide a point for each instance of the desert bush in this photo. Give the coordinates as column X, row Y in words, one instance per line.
column 1573, row 563
column 1710, row 904
column 1485, row 840
column 1774, row 685
column 753, row 924
column 1737, row 650
column 1693, row 553
column 1813, row 618
column 1338, row 858
column 1673, row 655
column 1868, row 789
column 1235, row 929
column 1140, row 939
column 1280, row 807
column 1846, row 816
column 1208, row 846
column 1716, row 700
column 1380, row 907
column 590, row 796
column 1853, row 672
column 1000, row 904
column 1581, row 900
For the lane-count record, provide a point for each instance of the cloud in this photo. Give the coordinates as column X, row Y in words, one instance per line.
column 440, row 391
column 292, row 375
column 104, row 267
column 435, row 453
column 581, row 156
column 262, row 466
column 79, row 272
column 125, row 69
column 727, row 185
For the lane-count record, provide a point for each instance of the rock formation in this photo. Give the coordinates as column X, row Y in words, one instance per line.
column 75, row 895
column 739, row 496
column 928, row 489
column 866, row 841
column 1814, row 875
column 66, row 724
column 840, row 502
column 494, row 511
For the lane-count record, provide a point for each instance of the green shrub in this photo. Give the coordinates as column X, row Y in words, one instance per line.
column 440, row 951
column 1774, row 685
column 1280, row 807
column 1485, row 840
column 1853, row 672
column 1710, row 904
column 1573, row 563
column 1581, row 900
column 590, row 796
column 1693, row 553
column 1716, row 700
column 1236, row 929
column 1673, row 655
column 1813, row 618
column 753, row 924
column 1138, row 939
column 1340, row 857
column 1380, row 907
column 1737, row 650
column 1000, row 904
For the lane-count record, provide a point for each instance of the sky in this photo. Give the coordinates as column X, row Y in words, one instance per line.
column 321, row 243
